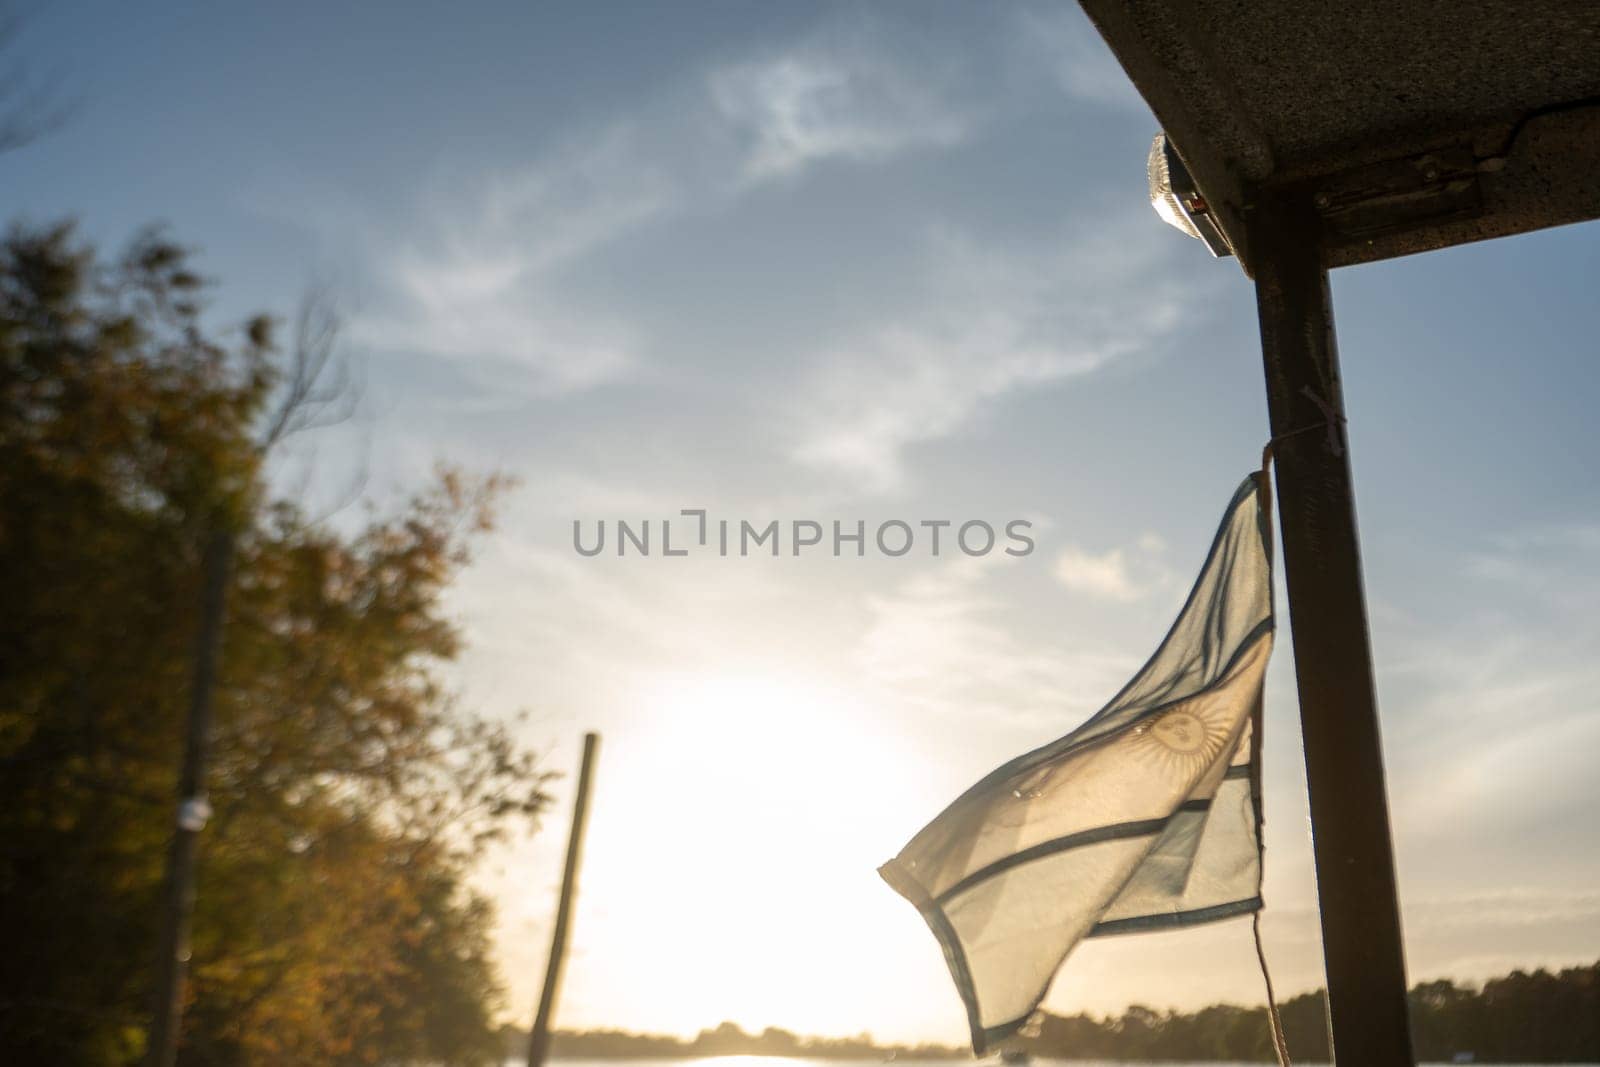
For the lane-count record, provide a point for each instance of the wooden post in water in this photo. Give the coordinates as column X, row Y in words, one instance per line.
column 1362, row 949
column 539, row 1037
column 166, row 1023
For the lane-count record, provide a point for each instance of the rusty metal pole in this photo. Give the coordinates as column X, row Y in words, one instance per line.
column 166, row 1022
column 1363, row 952
column 539, row 1037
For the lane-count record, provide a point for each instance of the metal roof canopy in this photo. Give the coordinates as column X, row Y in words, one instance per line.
column 1320, row 136
column 1409, row 126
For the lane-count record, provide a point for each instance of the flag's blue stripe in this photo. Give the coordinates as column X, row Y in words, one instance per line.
column 985, row 1038
column 1172, row 919
column 955, row 957
column 993, row 1035
column 1113, row 832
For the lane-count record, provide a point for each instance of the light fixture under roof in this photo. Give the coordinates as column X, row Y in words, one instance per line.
column 1175, row 198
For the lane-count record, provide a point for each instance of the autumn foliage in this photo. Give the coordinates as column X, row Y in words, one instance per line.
column 334, row 922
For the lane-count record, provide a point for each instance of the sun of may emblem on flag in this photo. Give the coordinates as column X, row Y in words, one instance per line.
column 1146, row 817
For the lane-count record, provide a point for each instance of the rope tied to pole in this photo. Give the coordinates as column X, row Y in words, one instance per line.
column 1334, row 424
column 1280, row 1044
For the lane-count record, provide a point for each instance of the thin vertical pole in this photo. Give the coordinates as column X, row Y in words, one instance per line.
column 1362, row 945
column 178, row 906
column 539, row 1038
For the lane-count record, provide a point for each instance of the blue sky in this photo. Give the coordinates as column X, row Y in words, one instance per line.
column 811, row 261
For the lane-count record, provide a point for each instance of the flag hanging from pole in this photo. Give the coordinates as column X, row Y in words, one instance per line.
column 1146, row 817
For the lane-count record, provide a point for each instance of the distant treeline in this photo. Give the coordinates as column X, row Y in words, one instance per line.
column 728, row 1040
column 1536, row 1017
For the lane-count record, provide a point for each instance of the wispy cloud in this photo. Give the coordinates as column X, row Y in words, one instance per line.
column 481, row 276
column 911, row 383
column 463, row 310
column 991, row 323
column 1119, row 574
column 839, row 95
column 479, row 282
column 591, row 192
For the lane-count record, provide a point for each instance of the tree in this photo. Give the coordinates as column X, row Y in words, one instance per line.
column 351, row 793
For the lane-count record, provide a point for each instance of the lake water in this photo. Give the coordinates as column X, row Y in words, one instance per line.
column 779, row 1061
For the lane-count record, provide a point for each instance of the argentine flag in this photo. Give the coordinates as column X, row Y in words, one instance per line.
column 1146, row 817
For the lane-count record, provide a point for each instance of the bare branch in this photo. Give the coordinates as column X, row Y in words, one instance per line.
column 319, row 391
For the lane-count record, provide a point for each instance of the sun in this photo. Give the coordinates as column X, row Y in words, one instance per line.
column 733, row 850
